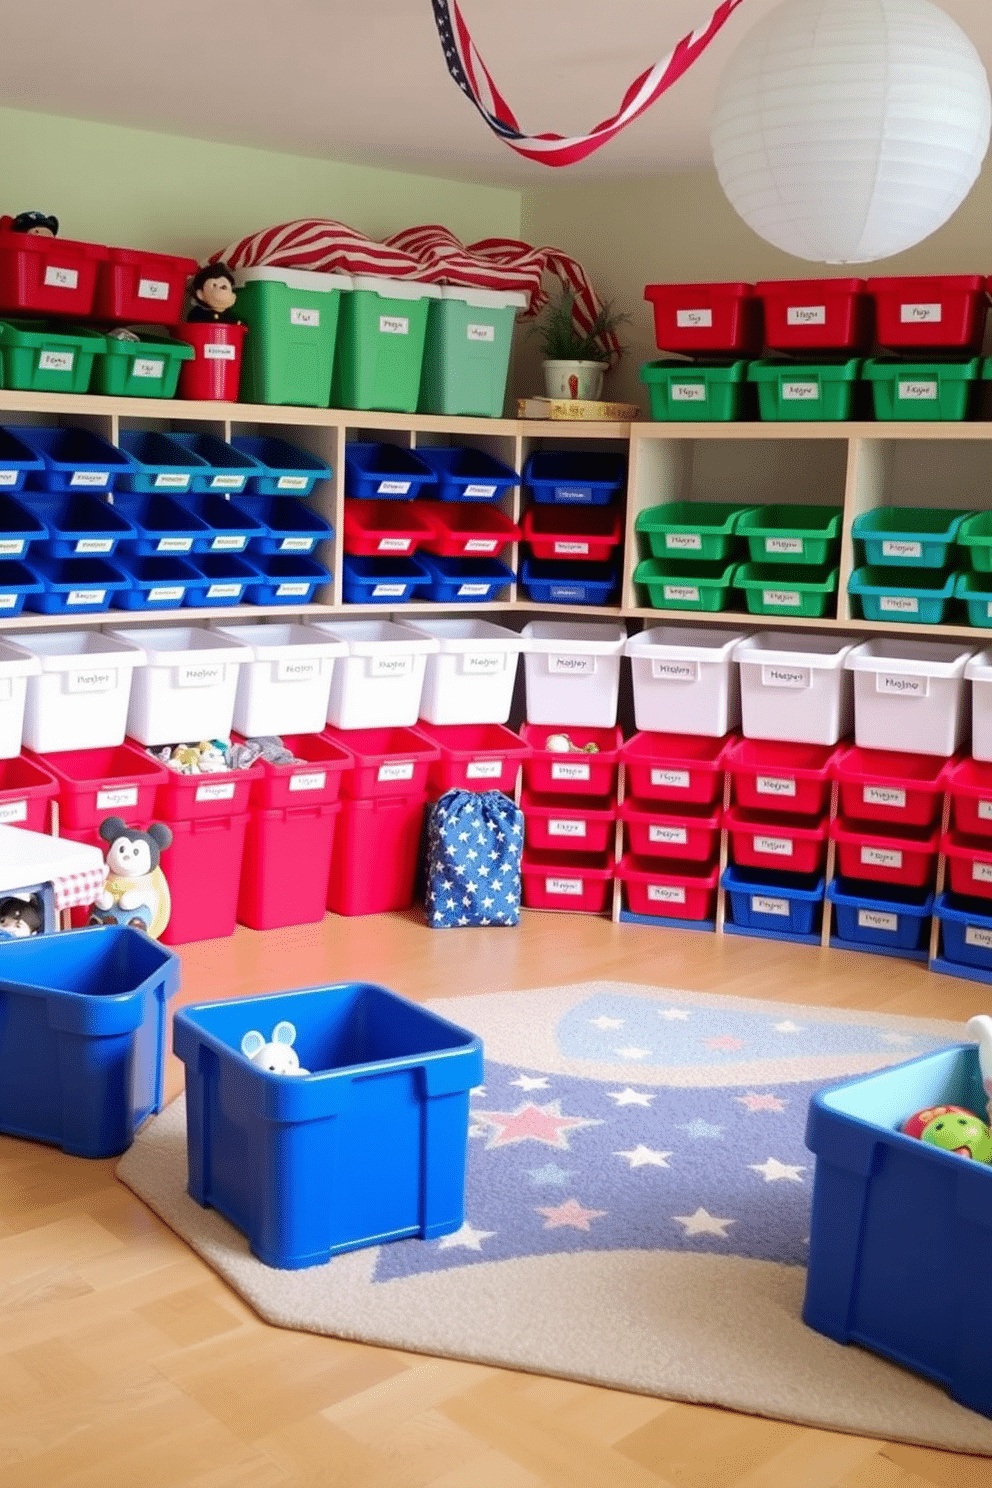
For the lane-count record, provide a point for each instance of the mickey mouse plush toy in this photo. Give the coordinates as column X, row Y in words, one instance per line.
column 136, row 892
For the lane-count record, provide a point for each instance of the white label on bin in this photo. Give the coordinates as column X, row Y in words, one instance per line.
column 673, row 836
column 800, row 315
column 166, row 592
column 981, row 872
column 688, row 392
column 388, row 591
column 297, row 671
column 314, row 780
column 227, row 482
column 580, row 493
column 571, row 665
column 974, row 935
column 567, row 770
column 224, row 591
column 877, row 919
column 984, row 810
column 902, row 686
column 471, row 591
column 571, row 886
column 475, row 489
column 119, row 795
column 884, row 795
column 763, row 905
column 97, row 681
column 800, row 392
column 917, row 314
column 481, row 545
column 172, row 480
column 689, row 319
column 913, row 390
column 7, row 602
column 13, row 811
column 397, row 770
column 687, row 593
column 392, row 488
column 296, row 545
column 219, row 351
column 783, row 598
column 11, row 547
column 292, row 482
column 676, row 779
column 309, row 318
column 394, row 325
column 147, row 367
column 566, row 827
column 199, row 674
column 57, row 278
column 153, row 289
column 394, row 544
column 674, row 671
column 783, row 545
column 94, row 545
column 900, row 548
column 684, row 542
column 8, row 477
column 483, row 663
column 774, row 785
column 85, row 596
column 480, row 333
column 780, row 847
column 899, row 604
column 567, row 591
column 56, row 361
column 484, row 769
column 174, row 545
column 232, row 543
column 89, row 478
column 222, row 790
column 292, row 591
column 390, row 666
column 881, row 857
column 666, row 894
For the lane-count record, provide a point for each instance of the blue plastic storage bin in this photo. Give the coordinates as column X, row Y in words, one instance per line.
column 576, row 478
column 73, row 460
column 385, row 470
column 157, row 583
column 290, row 526
column 17, row 581
column 283, row 470
column 159, row 462
column 285, row 578
column 897, row 919
column 383, row 580
column 469, row 579
column 782, row 903
column 80, row 525
column 17, row 461
column 162, row 525
column 370, row 1146
column 965, row 931
column 75, row 586
column 228, row 468
column 901, row 1229
column 231, row 527
column 82, row 1036
column 19, row 526
column 222, row 579
column 466, row 474
column 550, row 582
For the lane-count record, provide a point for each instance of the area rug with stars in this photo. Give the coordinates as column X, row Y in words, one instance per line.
column 637, row 1210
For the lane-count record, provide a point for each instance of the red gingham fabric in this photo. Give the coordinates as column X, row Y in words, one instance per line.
column 79, row 889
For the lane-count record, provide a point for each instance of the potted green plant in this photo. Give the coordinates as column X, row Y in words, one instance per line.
column 575, row 360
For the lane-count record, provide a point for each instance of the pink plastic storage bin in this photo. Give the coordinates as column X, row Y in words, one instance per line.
column 882, row 785
column 375, row 854
column 203, row 869
column 313, row 780
column 47, row 276
column 764, row 840
column 690, row 835
column 683, row 895
column 287, row 865
column 461, row 530
column 474, row 756
column 586, row 534
column 937, row 312
column 148, row 288
column 970, row 785
column 553, row 824
column 898, row 856
column 97, row 783
column 687, row 768
column 387, row 761
column 384, row 527
column 816, row 314
column 769, row 776
column 567, row 880
column 706, row 317
column 969, row 865
column 193, row 797
column 26, row 787
column 579, row 774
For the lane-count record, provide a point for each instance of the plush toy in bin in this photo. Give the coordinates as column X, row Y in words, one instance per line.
column 21, row 915
column 136, row 892
column 276, row 1055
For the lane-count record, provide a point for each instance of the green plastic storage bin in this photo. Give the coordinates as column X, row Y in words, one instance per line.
column 975, row 534
column 908, row 536
column 148, row 368
column 382, row 330
column 292, row 319
column 703, row 530
column 975, row 592
column 695, row 391
column 793, row 391
column 791, row 533
column 42, row 358
column 922, row 390
column 467, row 351
column 917, row 596
column 779, row 589
column 684, row 586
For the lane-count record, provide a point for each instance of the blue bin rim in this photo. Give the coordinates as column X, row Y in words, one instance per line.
column 28, row 460
column 466, row 567
column 188, row 524
column 317, row 523
column 30, row 584
column 443, row 459
column 821, row 1099
column 21, row 504
column 195, row 500
column 253, row 445
column 242, row 463
column 735, row 880
column 860, row 528
column 587, row 462
column 361, row 452
column 401, row 568
column 132, row 563
column 250, row 567
column 48, row 570
column 102, row 1014
column 945, row 908
column 40, row 438
column 838, row 895
column 133, row 441
column 310, row 568
column 45, row 505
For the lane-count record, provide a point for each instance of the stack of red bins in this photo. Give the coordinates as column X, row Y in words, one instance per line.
column 569, row 803
column 672, row 817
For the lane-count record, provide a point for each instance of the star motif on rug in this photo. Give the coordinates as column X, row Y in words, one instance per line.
column 754, row 1102
column 699, row 1128
column 704, row 1223
column 787, row 1027
column 467, row 1238
column 530, row 1123
column 723, row 1041
column 570, row 1213
column 605, row 1022
column 773, row 1170
column 633, row 1053
column 531, row 1082
column 551, row 1174
column 630, row 1097
column 673, row 1013
column 644, row 1157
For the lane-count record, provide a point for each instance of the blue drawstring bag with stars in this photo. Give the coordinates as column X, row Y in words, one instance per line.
column 474, row 843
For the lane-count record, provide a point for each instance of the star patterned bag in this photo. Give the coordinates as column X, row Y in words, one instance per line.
column 474, row 843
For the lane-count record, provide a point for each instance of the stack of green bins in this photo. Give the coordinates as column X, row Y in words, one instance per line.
column 793, row 560
column 908, row 566
column 690, row 554
column 973, row 585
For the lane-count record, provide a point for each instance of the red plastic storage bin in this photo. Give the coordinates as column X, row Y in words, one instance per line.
column 552, row 824
column 459, row 529
column 937, row 312
column 385, row 761
column 567, row 880
column 26, row 787
column 474, row 756
column 147, row 288
column 898, row 856
column 287, row 865
column 375, row 855
column 969, row 865
column 687, row 768
column 706, row 317
column 96, row 783
column 687, row 894
column 883, row 785
column 816, row 314
column 969, row 784
column 47, row 276
column 763, row 840
column 547, row 772
column 773, row 776
column 203, row 869
column 189, row 797
column 215, row 371
column 373, row 527
column 587, row 534
column 312, row 780
column 693, row 836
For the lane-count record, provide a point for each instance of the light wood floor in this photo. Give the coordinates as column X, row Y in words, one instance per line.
column 125, row 1361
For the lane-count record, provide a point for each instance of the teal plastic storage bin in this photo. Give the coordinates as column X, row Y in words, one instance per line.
column 369, row 1146
column 797, row 392
column 908, row 536
column 922, row 390
column 695, row 392
column 467, row 351
column 916, row 595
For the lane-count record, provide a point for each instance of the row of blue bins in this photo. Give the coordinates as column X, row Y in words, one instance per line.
column 372, row 580
column 790, row 906
column 383, row 471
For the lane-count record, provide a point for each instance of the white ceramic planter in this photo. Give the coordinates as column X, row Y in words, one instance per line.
column 574, row 379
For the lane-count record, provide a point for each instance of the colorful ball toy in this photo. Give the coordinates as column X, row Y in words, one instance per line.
column 913, row 1125
column 963, row 1133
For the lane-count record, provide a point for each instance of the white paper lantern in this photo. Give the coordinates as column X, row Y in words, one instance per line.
column 848, row 130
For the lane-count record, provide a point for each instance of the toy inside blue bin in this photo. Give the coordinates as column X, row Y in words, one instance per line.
column 478, row 579
column 371, row 580
column 75, row 586
column 82, row 1036
column 769, row 902
column 466, row 474
column 231, row 527
column 965, row 934
column 228, row 468
column 290, row 525
column 73, row 460
column 79, row 523
column 161, row 524
column 367, row 1147
column 574, row 477
column 285, row 578
column 222, row 579
column 159, row 462
column 284, row 470
column 891, row 917
column 17, row 581
column 17, row 461
column 160, row 582
column 385, row 470
column 19, row 526
column 550, row 582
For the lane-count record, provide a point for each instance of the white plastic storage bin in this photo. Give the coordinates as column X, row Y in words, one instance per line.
column 685, row 681
column 979, row 673
column 16, row 666
column 794, row 687
column 187, row 688
column 79, row 699
column 471, row 678
column 379, row 682
column 910, row 695
column 286, row 686
column 572, row 672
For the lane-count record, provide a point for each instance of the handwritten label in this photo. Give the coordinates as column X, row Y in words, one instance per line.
column 480, row 333
column 199, row 674
column 800, row 392
column 974, row 935
column 314, row 780
column 901, row 548
column 570, row 770
column 802, row 315
column 484, row 769
column 673, row 779
column 780, row 847
column 86, row 596
column 671, row 836
column 688, row 392
column 116, row 797
column 783, row 545
column 13, row 811
column 296, row 544
column 395, row 770
column 693, row 319
column 172, row 480
column 984, row 810
column 884, row 795
column 308, row 318
column 224, row 591
column 297, row 671
column 98, row 478
column 9, row 477
column 390, row 666
column 227, row 482
column 471, row 591
column 229, row 542
column 567, row 591
column 684, row 542
column 674, row 671
column 174, row 545
column 59, row 278
column 666, row 894
column 902, row 685
column 166, row 594
column 782, row 598
column 483, row 663
column 153, row 289
column 981, row 872
column 394, row 325
column 475, row 489
column 571, row 665
column 564, row 549
column 8, row 602
column 147, row 367
column 571, row 886
column 481, row 545
column 56, row 361
column 561, row 827
column 899, row 604
column 221, row 790
column 392, row 488
column 292, row 591
column 774, row 785
column 93, row 681
column 219, row 351
column 881, row 857
column 388, row 591
column 761, row 904
column 878, row 919
column 292, row 482
column 911, row 314
column 11, row 547
column 915, row 391
column 394, row 544
column 680, row 593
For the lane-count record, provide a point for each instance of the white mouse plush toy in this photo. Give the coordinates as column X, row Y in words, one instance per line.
column 277, row 1055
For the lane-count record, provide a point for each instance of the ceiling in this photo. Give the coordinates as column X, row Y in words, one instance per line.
column 369, row 85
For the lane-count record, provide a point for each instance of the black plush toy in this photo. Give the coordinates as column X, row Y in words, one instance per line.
column 38, row 223
column 20, row 917
column 213, row 294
